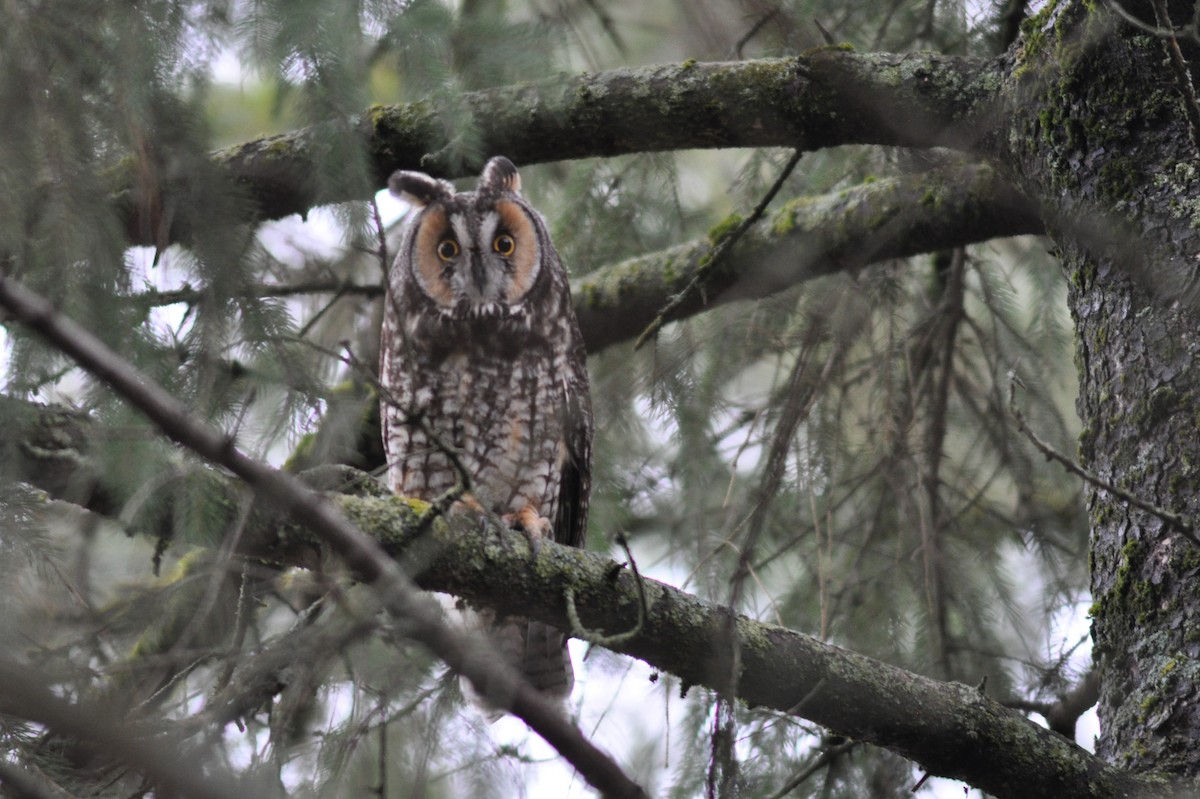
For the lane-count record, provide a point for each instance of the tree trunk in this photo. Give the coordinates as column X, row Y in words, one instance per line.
column 1101, row 139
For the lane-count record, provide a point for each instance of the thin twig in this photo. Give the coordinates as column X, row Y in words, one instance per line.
column 802, row 393
column 600, row 639
column 465, row 654
column 759, row 24
column 825, row 34
column 826, row 758
column 607, row 23
column 1171, row 518
column 1189, row 31
column 717, row 254
column 320, row 314
column 381, row 232
column 1179, row 66
column 187, row 294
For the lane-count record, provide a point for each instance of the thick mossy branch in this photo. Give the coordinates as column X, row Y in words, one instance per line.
column 950, row 729
column 825, row 98
column 807, row 238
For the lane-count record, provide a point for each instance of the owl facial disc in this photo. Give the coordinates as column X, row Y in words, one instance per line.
column 474, row 254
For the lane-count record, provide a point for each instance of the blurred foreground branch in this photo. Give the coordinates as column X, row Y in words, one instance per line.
column 467, row 655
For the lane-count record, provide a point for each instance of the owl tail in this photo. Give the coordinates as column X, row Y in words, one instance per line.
column 539, row 652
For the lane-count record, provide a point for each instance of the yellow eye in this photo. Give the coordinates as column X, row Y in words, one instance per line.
column 447, row 249
column 504, row 245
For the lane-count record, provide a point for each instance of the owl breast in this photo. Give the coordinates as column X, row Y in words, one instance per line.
column 493, row 396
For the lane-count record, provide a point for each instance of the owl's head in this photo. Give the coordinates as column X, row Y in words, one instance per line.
column 473, row 254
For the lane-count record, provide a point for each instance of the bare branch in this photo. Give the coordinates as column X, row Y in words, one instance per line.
column 189, row 295
column 1173, row 520
column 824, row 760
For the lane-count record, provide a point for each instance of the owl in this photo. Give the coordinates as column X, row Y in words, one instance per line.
column 481, row 349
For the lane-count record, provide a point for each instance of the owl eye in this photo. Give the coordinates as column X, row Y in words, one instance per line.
column 447, row 249
column 504, row 245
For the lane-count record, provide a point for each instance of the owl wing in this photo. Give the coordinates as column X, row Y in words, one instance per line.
column 570, row 524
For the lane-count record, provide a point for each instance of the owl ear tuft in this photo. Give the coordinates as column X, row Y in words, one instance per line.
column 417, row 188
column 500, row 175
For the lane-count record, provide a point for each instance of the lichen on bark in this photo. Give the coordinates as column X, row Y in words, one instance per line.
column 1098, row 138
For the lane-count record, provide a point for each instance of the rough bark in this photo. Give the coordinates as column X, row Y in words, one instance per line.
column 1100, row 138
column 826, row 98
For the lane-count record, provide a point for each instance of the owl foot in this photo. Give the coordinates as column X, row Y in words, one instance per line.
column 487, row 524
column 532, row 525
column 468, row 506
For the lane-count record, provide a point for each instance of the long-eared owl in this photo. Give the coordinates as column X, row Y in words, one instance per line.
column 482, row 349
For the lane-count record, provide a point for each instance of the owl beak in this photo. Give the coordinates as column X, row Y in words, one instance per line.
column 479, row 275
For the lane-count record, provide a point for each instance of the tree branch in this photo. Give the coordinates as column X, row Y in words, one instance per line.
column 807, row 238
column 950, row 729
column 828, row 97
column 1063, row 714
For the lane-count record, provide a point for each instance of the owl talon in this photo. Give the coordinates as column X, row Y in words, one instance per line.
column 532, row 525
column 535, row 543
column 488, row 523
